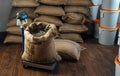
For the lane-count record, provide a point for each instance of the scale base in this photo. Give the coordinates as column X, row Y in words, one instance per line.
column 50, row 67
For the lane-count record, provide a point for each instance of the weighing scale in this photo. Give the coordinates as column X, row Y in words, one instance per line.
column 21, row 21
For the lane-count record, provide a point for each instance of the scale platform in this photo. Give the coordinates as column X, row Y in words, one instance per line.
column 51, row 67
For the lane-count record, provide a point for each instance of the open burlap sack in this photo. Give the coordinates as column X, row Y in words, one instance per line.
column 77, row 9
column 25, row 3
column 79, row 2
column 70, row 28
column 53, row 2
column 13, row 39
column 68, row 49
column 15, row 30
column 74, row 18
column 72, row 36
column 29, row 12
column 49, row 19
column 50, row 10
column 39, row 43
column 12, row 22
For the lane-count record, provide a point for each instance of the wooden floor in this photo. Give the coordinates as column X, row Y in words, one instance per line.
column 97, row 60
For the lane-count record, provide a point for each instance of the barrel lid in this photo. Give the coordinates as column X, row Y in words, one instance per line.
column 97, row 21
column 110, row 11
column 117, row 61
column 108, row 28
column 118, row 25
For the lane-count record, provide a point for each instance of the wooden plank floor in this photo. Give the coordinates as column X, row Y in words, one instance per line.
column 97, row 60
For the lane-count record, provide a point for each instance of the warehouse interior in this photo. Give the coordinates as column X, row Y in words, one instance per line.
column 59, row 38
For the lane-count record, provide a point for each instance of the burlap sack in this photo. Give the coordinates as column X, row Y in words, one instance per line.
column 53, row 2
column 74, row 18
column 72, row 36
column 39, row 45
column 29, row 11
column 50, row 10
column 77, row 9
column 25, row 3
column 49, row 19
column 79, row 2
column 68, row 49
column 15, row 30
column 12, row 39
column 69, row 28
column 12, row 22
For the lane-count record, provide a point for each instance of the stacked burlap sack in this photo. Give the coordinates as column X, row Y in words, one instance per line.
column 49, row 13
column 14, row 32
column 74, row 20
column 68, row 15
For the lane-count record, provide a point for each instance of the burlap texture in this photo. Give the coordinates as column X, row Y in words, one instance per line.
column 49, row 19
column 77, row 9
column 40, row 49
column 70, row 28
column 79, row 2
column 53, row 2
column 50, row 10
column 15, row 30
column 25, row 3
column 68, row 49
column 74, row 18
column 12, row 39
column 72, row 36
column 12, row 22
column 29, row 12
